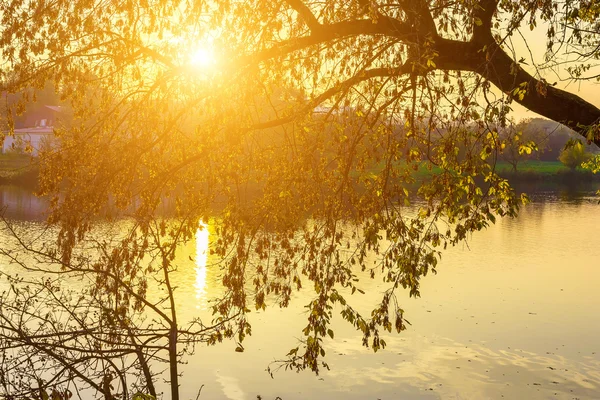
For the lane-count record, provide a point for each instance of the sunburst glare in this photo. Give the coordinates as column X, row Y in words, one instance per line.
column 203, row 58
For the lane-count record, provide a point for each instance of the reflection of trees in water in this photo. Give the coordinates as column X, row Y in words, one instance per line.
column 20, row 203
column 576, row 192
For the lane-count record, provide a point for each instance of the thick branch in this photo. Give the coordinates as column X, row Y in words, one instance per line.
column 383, row 26
column 364, row 76
column 500, row 69
column 307, row 16
column 494, row 64
column 420, row 14
column 556, row 104
column 483, row 13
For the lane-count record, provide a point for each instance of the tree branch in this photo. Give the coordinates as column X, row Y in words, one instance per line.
column 500, row 69
column 385, row 26
column 364, row 76
column 493, row 64
column 423, row 20
column 482, row 25
column 556, row 104
column 307, row 16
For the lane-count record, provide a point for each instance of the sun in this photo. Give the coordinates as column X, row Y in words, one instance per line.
column 203, row 58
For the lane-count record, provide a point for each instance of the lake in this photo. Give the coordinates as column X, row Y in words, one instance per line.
column 512, row 313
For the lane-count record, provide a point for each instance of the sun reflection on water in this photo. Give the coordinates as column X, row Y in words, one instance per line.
column 202, row 236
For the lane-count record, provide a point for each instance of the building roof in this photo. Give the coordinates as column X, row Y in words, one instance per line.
column 40, row 130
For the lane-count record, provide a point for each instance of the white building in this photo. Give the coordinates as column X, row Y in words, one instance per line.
column 40, row 133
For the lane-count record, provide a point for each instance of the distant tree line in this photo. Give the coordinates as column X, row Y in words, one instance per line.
column 543, row 140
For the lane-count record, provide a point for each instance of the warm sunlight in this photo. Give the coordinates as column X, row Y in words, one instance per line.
column 232, row 199
column 203, row 58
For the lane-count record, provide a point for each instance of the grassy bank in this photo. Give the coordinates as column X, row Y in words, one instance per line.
column 544, row 170
column 533, row 170
column 545, row 173
column 533, row 167
column 525, row 170
column 18, row 169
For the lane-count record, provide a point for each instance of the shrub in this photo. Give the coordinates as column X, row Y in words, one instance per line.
column 574, row 155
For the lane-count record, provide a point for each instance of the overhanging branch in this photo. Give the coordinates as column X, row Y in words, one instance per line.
column 307, row 16
column 385, row 26
column 363, row 76
column 452, row 55
column 501, row 70
column 483, row 13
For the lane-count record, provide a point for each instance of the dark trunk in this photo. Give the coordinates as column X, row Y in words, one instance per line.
column 542, row 98
column 173, row 363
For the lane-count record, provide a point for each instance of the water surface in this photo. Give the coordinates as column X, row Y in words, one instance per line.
column 512, row 313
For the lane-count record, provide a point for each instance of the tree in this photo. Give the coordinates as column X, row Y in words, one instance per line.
column 240, row 145
column 574, row 155
column 522, row 141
